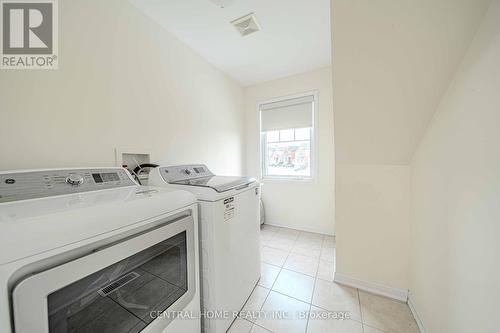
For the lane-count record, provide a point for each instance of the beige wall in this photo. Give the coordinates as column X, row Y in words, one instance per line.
column 122, row 82
column 305, row 206
column 455, row 255
column 392, row 62
column 372, row 206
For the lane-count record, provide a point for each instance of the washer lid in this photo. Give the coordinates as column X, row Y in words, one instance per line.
column 218, row 183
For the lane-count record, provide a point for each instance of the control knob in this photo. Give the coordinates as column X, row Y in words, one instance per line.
column 74, row 180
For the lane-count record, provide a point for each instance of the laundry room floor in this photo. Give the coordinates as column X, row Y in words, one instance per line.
column 297, row 279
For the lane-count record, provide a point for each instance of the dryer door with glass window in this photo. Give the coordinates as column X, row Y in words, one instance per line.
column 121, row 288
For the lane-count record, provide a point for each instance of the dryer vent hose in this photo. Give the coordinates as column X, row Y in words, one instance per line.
column 138, row 168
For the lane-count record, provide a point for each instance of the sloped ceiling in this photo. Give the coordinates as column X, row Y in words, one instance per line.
column 392, row 62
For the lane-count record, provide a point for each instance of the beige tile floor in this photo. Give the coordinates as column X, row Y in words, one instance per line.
column 297, row 278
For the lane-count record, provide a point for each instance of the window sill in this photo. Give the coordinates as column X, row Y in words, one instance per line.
column 287, row 180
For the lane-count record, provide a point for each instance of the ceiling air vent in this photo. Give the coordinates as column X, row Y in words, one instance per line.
column 222, row 3
column 247, row 24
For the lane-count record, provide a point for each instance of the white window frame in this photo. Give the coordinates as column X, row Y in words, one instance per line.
column 314, row 141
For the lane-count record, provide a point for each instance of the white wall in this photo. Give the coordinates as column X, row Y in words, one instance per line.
column 124, row 82
column 392, row 62
column 455, row 270
column 305, row 206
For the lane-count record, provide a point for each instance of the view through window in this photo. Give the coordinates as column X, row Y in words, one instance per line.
column 288, row 152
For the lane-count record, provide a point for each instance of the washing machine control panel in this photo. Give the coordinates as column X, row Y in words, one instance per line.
column 38, row 184
column 184, row 172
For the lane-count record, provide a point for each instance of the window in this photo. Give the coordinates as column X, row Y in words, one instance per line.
column 287, row 138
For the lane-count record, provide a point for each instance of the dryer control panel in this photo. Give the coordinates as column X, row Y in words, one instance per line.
column 184, row 172
column 24, row 185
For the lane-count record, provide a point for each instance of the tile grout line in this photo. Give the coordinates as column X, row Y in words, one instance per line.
column 371, row 326
column 274, row 282
column 323, row 239
column 301, row 273
column 360, row 311
column 314, row 286
column 353, row 319
column 270, row 289
column 292, row 297
column 281, row 268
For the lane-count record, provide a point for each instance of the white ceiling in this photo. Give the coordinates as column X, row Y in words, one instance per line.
column 295, row 35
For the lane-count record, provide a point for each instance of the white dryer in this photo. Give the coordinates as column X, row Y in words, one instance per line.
column 88, row 250
column 229, row 237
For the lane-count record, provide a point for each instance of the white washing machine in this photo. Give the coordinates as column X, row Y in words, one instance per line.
column 229, row 235
column 88, row 250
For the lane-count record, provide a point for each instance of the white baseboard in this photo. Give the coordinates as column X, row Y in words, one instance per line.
column 316, row 231
column 372, row 287
column 417, row 317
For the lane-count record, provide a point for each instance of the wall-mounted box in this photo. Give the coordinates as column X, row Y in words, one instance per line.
column 131, row 158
